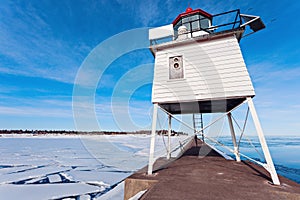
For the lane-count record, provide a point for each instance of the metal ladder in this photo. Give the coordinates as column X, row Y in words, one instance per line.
column 198, row 124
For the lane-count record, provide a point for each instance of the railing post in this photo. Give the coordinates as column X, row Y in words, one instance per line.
column 240, row 17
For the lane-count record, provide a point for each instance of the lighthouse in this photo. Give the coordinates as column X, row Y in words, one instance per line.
column 199, row 69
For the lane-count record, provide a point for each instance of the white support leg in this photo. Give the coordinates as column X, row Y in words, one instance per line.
column 194, row 124
column 236, row 152
column 169, row 137
column 263, row 143
column 152, row 144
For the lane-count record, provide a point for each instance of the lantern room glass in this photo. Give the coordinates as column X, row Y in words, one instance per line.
column 194, row 22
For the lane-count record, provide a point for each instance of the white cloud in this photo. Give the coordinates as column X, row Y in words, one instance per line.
column 265, row 71
column 46, row 106
column 34, row 112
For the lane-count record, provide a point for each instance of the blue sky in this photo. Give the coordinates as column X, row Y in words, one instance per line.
column 43, row 44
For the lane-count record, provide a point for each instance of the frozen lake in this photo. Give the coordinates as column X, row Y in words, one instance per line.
column 70, row 167
column 60, row 167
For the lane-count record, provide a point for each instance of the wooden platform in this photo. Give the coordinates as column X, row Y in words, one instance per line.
column 202, row 173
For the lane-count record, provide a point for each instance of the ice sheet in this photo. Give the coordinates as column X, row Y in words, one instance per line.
column 34, row 172
column 109, row 177
column 128, row 152
column 45, row 191
column 89, row 165
column 116, row 193
column 55, row 178
column 70, row 167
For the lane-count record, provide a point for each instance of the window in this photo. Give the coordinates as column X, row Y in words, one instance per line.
column 193, row 23
column 204, row 23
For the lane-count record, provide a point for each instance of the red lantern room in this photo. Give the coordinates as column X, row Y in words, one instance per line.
column 194, row 21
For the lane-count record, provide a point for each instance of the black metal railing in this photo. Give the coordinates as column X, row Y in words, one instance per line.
column 236, row 23
column 220, row 22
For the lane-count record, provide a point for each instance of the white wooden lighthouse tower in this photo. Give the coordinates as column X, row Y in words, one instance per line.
column 199, row 68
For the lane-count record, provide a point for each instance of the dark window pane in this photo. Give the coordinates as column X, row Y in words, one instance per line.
column 204, row 23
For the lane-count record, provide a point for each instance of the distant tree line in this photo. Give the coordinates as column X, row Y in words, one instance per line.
column 66, row 132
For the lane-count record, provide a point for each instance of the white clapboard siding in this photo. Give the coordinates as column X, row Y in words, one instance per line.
column 212, row 83
column 208, row 96
column 203, row 87
column 192, row 70
column 213, row 69
column 200, row 89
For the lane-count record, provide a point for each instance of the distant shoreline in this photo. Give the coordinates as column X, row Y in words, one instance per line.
column 82, row 133
column 95, row 133
column 63, row 132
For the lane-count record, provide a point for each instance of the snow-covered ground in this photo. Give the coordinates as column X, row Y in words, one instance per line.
column 72, row 167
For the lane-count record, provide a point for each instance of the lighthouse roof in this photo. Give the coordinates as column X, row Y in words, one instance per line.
column 190, row 11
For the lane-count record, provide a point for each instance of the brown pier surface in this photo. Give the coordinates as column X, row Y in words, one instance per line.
column 202, row 173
